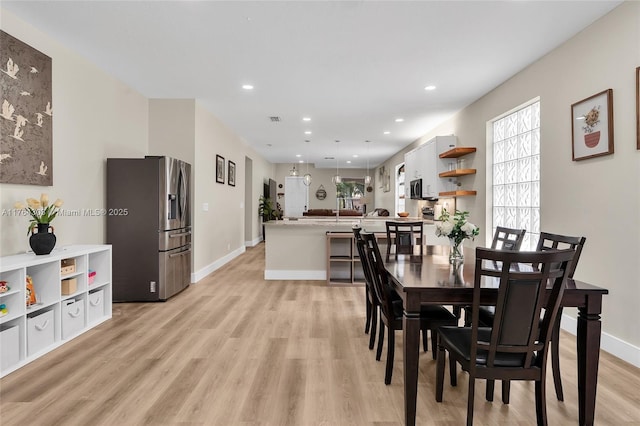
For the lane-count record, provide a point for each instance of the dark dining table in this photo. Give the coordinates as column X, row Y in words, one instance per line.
column 430, row 279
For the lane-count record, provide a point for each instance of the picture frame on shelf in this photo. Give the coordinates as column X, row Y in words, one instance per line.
column 219, row 169
column 231, row 179
column 592, row 126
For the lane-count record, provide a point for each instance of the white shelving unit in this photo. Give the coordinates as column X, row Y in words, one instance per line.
column 28, row 332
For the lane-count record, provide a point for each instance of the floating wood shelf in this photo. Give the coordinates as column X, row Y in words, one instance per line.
column 457, row 152
column 457, row 193
column 457, row 172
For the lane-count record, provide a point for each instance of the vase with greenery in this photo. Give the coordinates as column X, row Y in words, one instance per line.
column 457, row 228
column 42, row 214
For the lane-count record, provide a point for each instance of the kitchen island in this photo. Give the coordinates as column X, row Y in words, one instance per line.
column 297, row 249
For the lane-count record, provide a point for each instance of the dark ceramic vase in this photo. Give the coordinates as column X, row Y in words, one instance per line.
column 43, row 241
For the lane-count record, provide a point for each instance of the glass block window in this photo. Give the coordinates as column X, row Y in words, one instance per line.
column 516, row 172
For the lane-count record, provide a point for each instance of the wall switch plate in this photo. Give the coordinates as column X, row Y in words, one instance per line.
column 152, row 286
column 205, row 207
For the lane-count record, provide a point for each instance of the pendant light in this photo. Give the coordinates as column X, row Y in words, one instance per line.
column 293, row 171
column 307, row 177
column 337, row 179
column 367, row 177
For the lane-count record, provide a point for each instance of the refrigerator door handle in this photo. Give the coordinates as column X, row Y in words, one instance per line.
column 183, row 194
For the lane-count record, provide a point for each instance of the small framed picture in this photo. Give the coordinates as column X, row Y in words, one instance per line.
column 219, row 169
column 592, row 126
column 232, row 173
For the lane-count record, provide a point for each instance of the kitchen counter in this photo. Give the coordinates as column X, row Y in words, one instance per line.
column 297, row 249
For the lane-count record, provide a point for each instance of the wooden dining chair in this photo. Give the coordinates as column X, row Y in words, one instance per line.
column 503, row 239
column 516, row 346
column 507, row 238
column 391, row 308
column 403, row 237
column 547, row 241
column 372, row 304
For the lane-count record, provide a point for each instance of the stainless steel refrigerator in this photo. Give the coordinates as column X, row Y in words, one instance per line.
column 149, row 227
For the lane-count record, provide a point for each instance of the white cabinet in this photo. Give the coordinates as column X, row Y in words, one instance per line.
column 424, row 163
column 29, row 331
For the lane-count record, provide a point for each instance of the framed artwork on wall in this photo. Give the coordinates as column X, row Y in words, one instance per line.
column 231, row 179
column 26, row 118
column 592, row 126
column 219, row 169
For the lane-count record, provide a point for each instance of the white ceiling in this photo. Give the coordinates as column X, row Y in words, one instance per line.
column 352, row 66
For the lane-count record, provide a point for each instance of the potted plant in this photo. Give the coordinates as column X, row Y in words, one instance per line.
column 42, row 214
column 266, row 209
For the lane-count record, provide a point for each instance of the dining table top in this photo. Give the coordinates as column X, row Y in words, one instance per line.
column 432, row 273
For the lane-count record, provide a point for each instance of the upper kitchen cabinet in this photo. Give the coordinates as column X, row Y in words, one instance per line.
column 423, row 166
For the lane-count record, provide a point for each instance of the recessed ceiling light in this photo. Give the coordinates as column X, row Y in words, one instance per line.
column 298, row 155
column 348, row 161
column 300, row 161
column 306, row 118
column 355, row 155
column 431, row 87
column 386, row 132
column 247, row 87
column 308, row 132
column 399, row 120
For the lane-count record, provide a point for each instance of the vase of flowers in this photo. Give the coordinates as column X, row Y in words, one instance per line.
column 457, row 228
column 42, row 239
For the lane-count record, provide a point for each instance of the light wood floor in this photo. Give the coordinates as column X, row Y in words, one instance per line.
column 237, row 350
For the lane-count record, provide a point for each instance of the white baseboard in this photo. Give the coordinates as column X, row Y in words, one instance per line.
column 254, row 242
column 198, row 275
column 280, row 274
column 615, row 346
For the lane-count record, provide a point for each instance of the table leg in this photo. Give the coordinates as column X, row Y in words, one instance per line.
column 411, row 327
column 588, row 348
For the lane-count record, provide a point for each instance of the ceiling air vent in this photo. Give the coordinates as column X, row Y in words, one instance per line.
column 275, row 119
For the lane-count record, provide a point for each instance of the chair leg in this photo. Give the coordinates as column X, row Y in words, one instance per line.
column 467, row 316
column 472, row 387
column 453, row 374
column 506, row 389
column 555, row 357
column 380, row 340
column 490, row 388
column 541, row 403
column 434, row 342
column 374, row 324
column 367, row 323
column 391, row 345
column 457, row 311
column 440, row 373
column 425, row 340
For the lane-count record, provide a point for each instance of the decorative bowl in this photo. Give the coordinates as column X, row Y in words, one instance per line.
column 403, row 214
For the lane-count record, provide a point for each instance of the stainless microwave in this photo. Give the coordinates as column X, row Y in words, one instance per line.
column 415, row 188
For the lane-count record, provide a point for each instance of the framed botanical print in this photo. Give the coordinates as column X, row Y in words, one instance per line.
column 592, row 126
column 219, row 169
column 231, row 179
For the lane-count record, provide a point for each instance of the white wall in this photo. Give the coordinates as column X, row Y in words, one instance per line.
column 94, row 117
column 322, row 176
column 597, row 198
